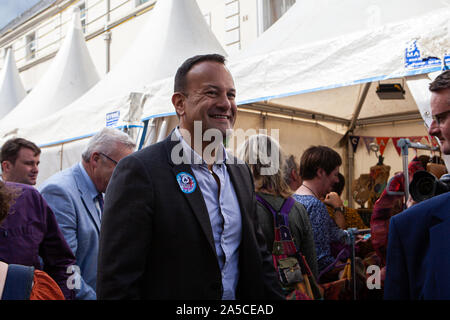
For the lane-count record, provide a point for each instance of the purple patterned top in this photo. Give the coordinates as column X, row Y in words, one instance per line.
column 30, row 232
column 324, row 228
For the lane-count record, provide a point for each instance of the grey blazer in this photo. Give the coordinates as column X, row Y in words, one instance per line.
column 77, row 216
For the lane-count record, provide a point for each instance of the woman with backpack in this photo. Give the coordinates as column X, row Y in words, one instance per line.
column 289, row 236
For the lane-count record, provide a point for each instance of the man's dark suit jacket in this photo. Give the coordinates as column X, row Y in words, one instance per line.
column 418, row 256
column 156, row 242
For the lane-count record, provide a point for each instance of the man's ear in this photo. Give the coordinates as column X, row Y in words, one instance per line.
column 321, row 173
column 94, row 159
column 6, row 166
column 178, row 102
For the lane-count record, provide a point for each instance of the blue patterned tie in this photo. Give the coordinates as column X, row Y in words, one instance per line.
column 99, row 198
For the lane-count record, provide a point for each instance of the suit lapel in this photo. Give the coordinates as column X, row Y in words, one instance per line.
column 195, row 198
column 440, row 257
column 85, row 197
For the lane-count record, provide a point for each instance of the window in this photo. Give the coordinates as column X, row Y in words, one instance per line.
column 232, row 26
column 83, row 16
column 270, row 11
column 139, row 2
column 30, row 46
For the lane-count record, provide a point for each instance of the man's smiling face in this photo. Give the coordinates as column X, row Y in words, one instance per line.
column 209, row 98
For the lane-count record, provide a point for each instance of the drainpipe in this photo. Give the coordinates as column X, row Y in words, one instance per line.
column 107, row 37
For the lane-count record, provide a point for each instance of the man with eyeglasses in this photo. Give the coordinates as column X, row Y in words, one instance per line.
column 418, row 256
column 76, row 197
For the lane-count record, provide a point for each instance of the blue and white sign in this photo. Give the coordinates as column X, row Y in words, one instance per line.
column 413, row 59
column 112, row 118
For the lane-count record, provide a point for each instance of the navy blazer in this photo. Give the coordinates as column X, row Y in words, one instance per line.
column 157, row 241
column 418, row 256
column 77, row 216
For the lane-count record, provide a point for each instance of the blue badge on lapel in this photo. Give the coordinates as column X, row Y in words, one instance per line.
column 187, row 182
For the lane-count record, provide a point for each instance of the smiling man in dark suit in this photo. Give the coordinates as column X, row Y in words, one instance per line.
column 179, row 219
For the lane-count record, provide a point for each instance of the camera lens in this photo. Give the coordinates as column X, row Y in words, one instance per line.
column 425, row 187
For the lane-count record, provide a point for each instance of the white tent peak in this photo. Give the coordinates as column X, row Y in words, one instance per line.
column 76, row 22
column 70, row 75
column 175, row 31
column 12, row 90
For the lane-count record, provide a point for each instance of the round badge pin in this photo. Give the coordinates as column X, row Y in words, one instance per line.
column 187, row 182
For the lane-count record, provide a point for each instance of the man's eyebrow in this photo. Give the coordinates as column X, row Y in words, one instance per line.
column 212, row 86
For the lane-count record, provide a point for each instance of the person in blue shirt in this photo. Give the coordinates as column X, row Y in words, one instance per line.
column 319, row 169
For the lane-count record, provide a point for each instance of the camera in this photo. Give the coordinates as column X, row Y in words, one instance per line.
column 425, row 185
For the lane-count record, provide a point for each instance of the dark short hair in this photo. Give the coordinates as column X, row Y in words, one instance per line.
column 11, row 148
column 180, row 76
column 339, row 186
column 441, row 82
column 318, row 157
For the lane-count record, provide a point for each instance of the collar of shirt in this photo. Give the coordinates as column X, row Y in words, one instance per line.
column 92, row 190
column 190, row 156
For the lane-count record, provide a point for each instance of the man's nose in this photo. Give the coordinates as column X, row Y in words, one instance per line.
column 434, row 129
column 224, row 101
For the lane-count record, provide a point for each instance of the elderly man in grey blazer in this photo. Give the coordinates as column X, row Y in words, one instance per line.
column 76, row 197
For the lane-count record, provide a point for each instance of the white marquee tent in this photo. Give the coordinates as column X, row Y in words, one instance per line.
column 315, row 92
column 323, row 67
column 12, row 90
column 70, row 75
column 176, row 30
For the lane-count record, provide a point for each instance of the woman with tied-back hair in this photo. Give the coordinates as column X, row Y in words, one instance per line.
column 41, row 286
column 266, row 161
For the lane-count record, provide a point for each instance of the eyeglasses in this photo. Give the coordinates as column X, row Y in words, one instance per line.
column 107, row 157
column 441, row 117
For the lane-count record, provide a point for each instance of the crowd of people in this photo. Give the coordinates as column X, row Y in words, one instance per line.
column 181, row 220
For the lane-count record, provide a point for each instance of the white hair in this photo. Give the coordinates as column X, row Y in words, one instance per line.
column 106, row 141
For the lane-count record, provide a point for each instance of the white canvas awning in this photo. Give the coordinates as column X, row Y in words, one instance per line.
column 309, row 21
column 329, row 80
column 326, row 78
